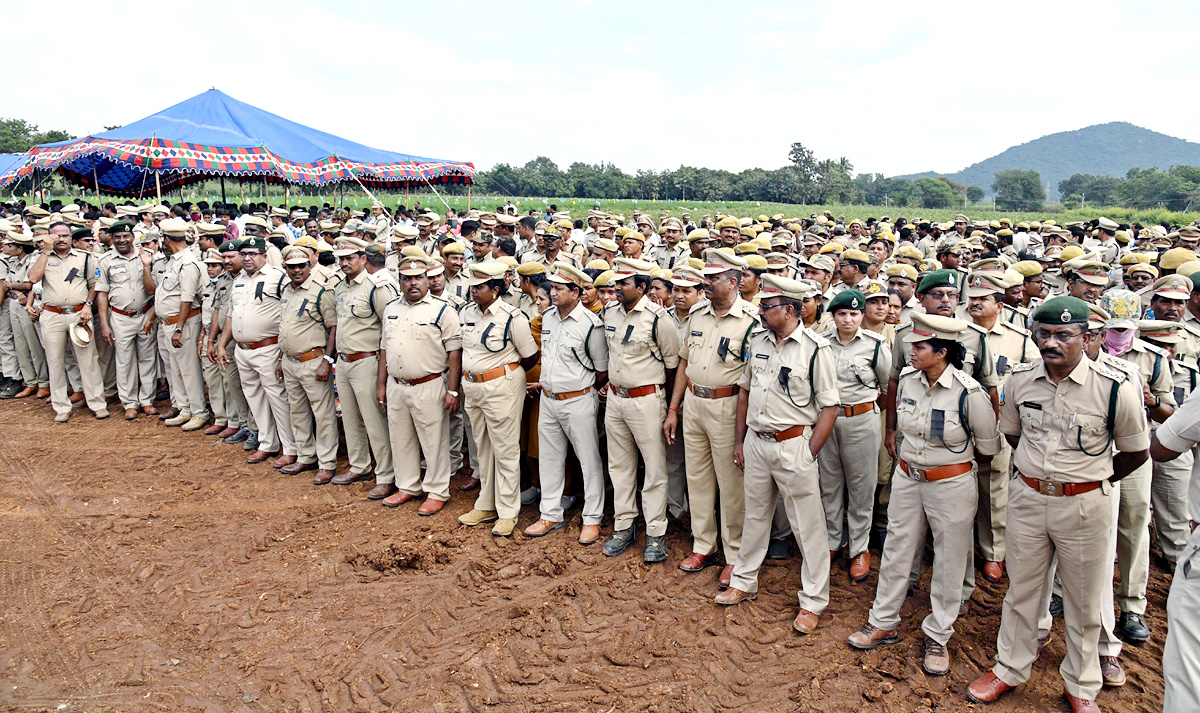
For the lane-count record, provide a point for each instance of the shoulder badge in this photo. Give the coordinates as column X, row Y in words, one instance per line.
column 593, row 318
column 968, row 383
column 379, row 278
column 907, row 370
column 821, row 341
column 1019, row 330
column 873, row 335
column 1107, row 371
column 1152, row 349
column 1026, row 366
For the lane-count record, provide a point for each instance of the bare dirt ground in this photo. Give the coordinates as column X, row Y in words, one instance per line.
column 151, row 570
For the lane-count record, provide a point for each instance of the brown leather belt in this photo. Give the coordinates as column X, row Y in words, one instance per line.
column 259, row 344
column 69, row 309
column 415, row 382
column 939, row 473
column 568, row 394
column 175, row 318
column 633, row 393
column 491, row 373
column 858, row 409
column 712, row 392
column 355, row 356
column 784, row 435
column 1051, row 487
column 1192, row 524
column 131, row 313
column 314, row 353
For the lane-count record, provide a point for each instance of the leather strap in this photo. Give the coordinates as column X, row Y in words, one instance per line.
column 416, row 382
column 134, row 313
column 858, row 409
column 314, row 353
column 568, row 394
column 635, row 392
column 259, row 344
column 784, row 435
column 68, row 309
column 712, row 392
column 939, row 473
column 1056, row 489
column 355, row 356
column 175, row 318
column 491, row 373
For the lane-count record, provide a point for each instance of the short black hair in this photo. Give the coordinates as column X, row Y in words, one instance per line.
column 468, row 228
column 506, row 245
column 954, row 350
column 528, row 221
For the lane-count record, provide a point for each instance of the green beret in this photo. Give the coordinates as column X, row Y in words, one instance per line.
column 940, row 278
column 847, row 299
column 259, row 244
column 121, row 226
column 78, row 233
column 230, row 246
column 1195, row 278
column 1062, row 310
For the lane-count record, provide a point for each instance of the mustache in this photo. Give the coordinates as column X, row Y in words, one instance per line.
column 1048, row 351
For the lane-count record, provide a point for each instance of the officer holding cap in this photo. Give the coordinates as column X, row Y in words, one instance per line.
column 124, row 290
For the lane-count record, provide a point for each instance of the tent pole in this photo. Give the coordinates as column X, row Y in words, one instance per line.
column 468, row 196
column 96, row 182
column 158, row 187
column 242, row 188
column 406, row 194
column 287, row 195
column 223, row 189
column 266, row 194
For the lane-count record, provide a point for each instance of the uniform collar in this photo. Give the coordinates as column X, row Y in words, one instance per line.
column 946, row 380
column 426, row 299
column 358, row 279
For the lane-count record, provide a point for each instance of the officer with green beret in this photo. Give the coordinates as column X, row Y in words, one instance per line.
column 1062, row 415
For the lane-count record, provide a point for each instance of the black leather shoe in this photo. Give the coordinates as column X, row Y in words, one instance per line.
column 620, row 541
column 1133, row 628
column 656, row 549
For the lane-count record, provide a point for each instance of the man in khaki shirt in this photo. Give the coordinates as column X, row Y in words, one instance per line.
column 361, row 301
column 307, row 316
column 253, row 323
column 240, row 426
column 420, row 365
column 714, row 341
column 68, row 277
column 124, row 290
column 787, row 405
column 497, row 349
column 176, row 303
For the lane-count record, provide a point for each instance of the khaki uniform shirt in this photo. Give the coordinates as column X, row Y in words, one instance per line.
column 1155, row 367
column 780, row 400
column 308, row 312
column 206, row 302
column 1180, row 433
column 935, row 432
column 494, row 337
column 973, row 342
column 668, row 258
column 451, row 299
column 361, row 302
column 642, row 343
column 457, row 286
column 863, row 365
column 1009, row 345
column 716, row 347
column 220, row 298
column 254, row 304
column 1058, row 422
column 419, row 337
column 181, row 284
column 67, row 279
column 121, row 278
column 573, row 350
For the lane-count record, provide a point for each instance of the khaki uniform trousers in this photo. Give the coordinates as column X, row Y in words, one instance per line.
column 786, row 469
column 1133, row 539
column 1181, row 654
column 708, row 443
column 419, row 426
column 494, row 408
column 30, row 356
column 214, row 379
column 1169, row 503
column 677, row 479
column 883, row 488
column 993, row 504
column 237, row 411
column 169, row 369
column 570, row 423
column 314, row 414
column 947, row 507
column 363, row 419
column 73, row 376
column 634, row 426
column 1038, row 527
column 267, row 398
column 8, row 350
column 133, row 355
column 185, row 361
column 108, row 367
column 460, row 435
column 848, row 479
column 56, row 341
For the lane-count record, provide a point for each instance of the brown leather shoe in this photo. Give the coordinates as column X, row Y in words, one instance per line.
column 1112, row 671
column 870, row 636
column 987, row 688
column 431, row 506
column 993, row 571
column 215, row 429
column 297, row 468
column 937, row 658
column 860, row 567
column 589, row 534
column 726, row 576
column 544, row 526
column 396, row 499
column 733, row 595
column 149, row 410
column 130, row 414
column 1081, row 705
column 260, row 456
column 381, row 491
column 468, row 484
column 227, row 432
column 805, row 622
column 351, row 477
column 26, row 392
column 76, row 397
column 696, row 561
column 168, row 414
column 323, row 477
column 283, row 461
column 43, row 393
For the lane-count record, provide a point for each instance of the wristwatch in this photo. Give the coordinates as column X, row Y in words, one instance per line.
column 327, row 358
column 452, row 393
column 88, row 303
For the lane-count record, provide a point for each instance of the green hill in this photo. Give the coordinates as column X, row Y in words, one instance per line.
column 1104, row 149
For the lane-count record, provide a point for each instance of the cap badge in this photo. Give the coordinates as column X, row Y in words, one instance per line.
column 1066, row 315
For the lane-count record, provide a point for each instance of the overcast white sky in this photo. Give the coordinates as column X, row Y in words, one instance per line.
column 894, row 87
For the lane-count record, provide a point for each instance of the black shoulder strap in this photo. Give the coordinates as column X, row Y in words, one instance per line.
column 875, row 356
column 1157, row 369
column 977, row 372
column 1112, row 407
column 438, row 320
column 962, row 413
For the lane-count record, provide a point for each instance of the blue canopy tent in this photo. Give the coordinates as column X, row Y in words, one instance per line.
column 214, row 135
column 9, row 165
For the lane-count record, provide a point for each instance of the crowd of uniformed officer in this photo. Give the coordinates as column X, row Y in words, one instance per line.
column 988, row 387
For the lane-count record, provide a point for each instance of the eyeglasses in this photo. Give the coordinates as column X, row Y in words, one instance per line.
column 943, row 295
column 1043, row 335
column 766, row 307
column 249, row 253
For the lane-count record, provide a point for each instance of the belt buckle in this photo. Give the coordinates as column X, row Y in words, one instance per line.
column 918, row 473
column 1049, row 487
column 704, row 392
column 767, row 435
column 621, row 391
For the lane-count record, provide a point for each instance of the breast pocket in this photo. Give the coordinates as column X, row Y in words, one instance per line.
column 118, row 274
column 1089, row 434
column 793, row 381
column 425, row 331
column 1033, row 423
column 170, row 281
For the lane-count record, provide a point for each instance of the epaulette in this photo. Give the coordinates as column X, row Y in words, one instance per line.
column 968, row 383
column 510, row 308
column 821, row 341
column 1015, row 328
column 594, row 318
column 656, row 308
column 904, row 325
column 380, row 278
column 700, row 308
column 1192, row 327
column 907, row 370
column 1151, row 348
column 873, row 335
column 1109, row 372
column 1026, row 366
column 977, row 328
